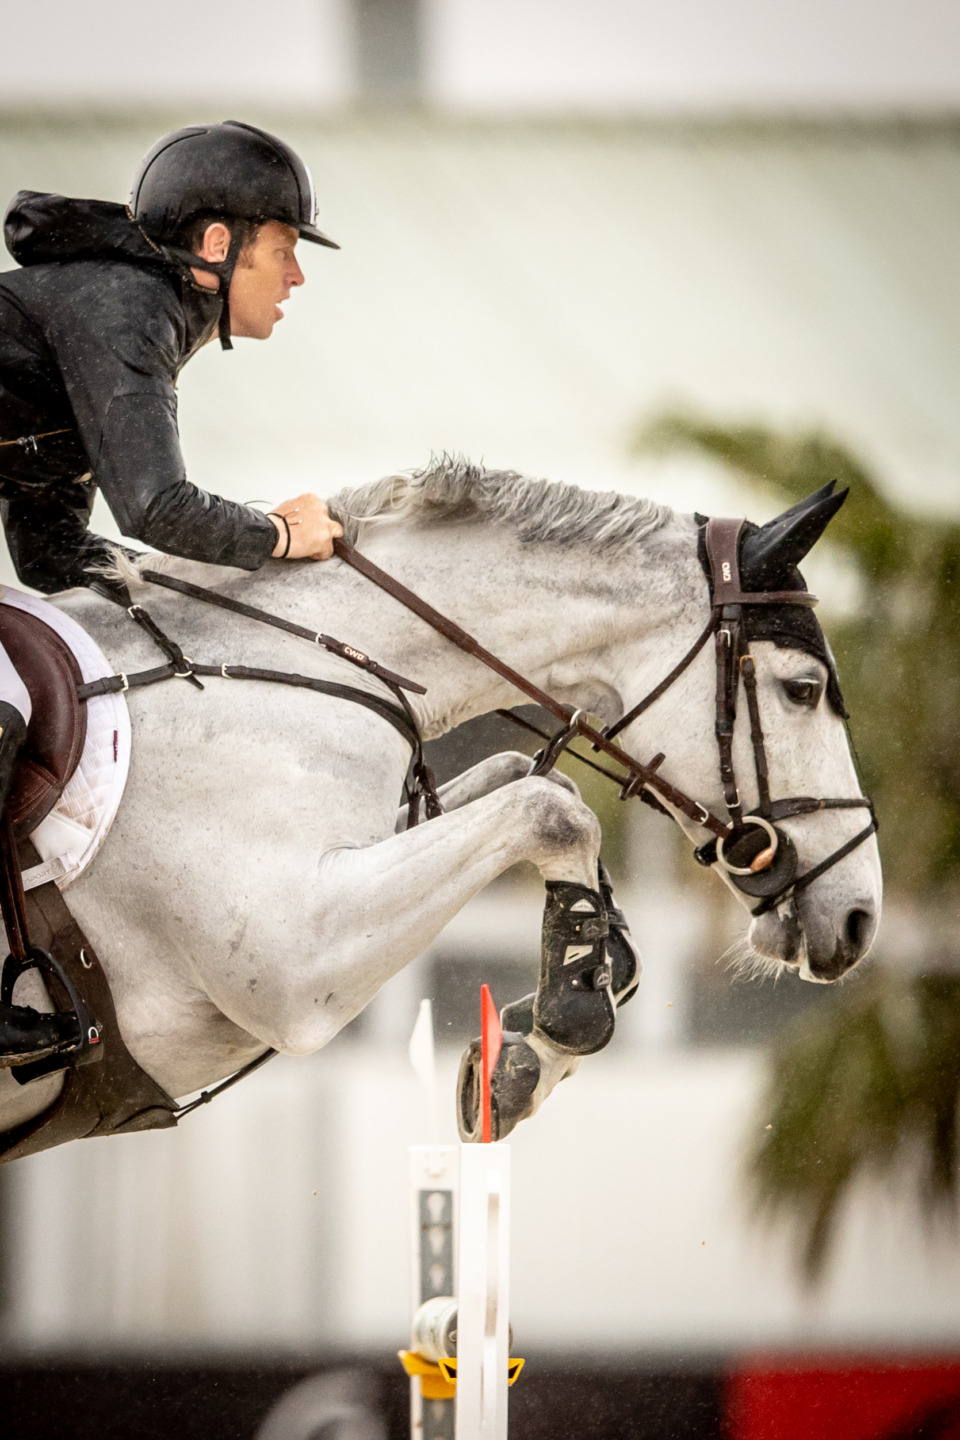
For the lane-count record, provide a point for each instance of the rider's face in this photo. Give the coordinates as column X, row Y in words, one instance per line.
column 266, row 272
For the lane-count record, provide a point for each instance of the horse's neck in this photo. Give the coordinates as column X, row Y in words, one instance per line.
column 588, row 629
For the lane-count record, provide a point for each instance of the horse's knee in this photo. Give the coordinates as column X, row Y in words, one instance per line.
column 512, row 765
column 561, row 820
column 507, row 766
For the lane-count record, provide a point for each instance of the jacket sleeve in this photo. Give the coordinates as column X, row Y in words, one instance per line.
column 141, row 473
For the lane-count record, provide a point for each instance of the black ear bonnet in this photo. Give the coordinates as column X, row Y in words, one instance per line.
column 792, row 627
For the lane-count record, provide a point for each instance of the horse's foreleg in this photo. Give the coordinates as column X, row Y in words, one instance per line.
column 378, row 907
column 482, row 779
column 588, row 969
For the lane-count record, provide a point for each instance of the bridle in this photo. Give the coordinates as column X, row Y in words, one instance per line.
column 751, row 847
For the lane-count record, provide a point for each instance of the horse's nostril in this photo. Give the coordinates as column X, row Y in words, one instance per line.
column 858, row 929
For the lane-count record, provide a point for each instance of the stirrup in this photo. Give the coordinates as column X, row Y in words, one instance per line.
column 61, row 1037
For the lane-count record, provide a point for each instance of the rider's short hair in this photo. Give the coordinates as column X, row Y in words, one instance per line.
column 190, row 235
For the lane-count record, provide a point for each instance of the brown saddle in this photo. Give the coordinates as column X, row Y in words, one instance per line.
column 58, row 726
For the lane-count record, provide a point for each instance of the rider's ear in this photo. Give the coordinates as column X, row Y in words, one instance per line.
column 779, row 546
column 216, row 243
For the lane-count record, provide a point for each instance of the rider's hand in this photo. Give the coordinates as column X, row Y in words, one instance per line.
column 312, row 532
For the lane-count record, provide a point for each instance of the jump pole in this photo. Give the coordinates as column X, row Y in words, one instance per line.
column 459, row 1361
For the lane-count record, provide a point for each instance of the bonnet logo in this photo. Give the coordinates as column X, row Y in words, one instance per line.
column 725, row 571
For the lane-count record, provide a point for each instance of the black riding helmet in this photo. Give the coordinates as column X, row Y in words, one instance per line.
column 231, row 169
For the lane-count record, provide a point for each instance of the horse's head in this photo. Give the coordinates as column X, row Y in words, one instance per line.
column 759, row 718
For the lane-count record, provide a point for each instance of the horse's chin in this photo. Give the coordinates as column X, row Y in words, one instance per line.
column 781, row 939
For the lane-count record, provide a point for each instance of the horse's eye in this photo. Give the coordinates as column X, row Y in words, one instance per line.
column 804, row 692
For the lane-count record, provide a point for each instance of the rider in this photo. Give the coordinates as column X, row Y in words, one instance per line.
column 110, row 303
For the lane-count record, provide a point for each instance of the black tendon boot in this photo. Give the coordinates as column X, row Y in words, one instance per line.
column 25, row 1033
column 574, row 1006
column 623, row 960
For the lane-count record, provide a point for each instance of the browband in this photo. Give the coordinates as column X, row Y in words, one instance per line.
column 723, row 547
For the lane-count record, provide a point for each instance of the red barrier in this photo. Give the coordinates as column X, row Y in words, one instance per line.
column 837, row 1400
column 491, row 1038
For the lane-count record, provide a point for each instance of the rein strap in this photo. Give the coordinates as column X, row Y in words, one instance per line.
column 450, row 630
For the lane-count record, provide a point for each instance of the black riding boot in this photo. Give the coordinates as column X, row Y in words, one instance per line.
column 25, row 1033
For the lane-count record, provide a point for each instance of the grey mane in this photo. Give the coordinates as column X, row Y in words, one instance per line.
column 540, row 511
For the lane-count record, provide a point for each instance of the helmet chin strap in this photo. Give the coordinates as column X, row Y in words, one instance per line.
column 223, row 269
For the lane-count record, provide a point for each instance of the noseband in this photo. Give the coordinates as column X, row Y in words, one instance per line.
column 759, row 857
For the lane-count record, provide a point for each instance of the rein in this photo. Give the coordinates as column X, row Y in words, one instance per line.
column 760, row 858
column 639, row 774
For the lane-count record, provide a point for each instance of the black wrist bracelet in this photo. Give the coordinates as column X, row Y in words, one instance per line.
column 272, row 514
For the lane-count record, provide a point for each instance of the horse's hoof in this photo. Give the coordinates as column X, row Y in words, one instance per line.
column 622, row 958
column 515, row 1078
column 575, row 1008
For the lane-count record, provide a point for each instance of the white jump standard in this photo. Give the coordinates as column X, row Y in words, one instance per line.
column 459, row 1360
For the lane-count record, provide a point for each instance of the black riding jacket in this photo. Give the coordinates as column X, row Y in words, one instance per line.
column 94, row 330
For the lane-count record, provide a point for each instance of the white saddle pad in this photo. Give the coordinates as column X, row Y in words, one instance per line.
column 70, row 836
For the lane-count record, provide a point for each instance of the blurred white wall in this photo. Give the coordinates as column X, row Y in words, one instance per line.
column 695, row 55
column 517, row 55
column 109, row 54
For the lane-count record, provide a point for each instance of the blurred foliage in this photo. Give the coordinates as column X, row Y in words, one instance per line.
column 871, row 1087
column 874, row 1085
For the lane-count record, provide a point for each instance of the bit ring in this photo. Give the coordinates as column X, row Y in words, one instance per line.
column 747, row 820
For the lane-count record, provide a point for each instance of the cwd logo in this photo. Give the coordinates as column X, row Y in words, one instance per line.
column 725, row 571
